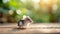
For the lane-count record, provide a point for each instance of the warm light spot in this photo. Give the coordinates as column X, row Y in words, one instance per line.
column 36, row 1
column 36, row 4
column 54, row 7
column 46, row 1
column 36, row 7
column 55, row 1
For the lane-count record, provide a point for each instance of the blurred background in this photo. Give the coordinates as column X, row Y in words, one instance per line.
column 41, row 11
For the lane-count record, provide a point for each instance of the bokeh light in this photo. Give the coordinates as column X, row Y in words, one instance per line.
column 5, row 1
column 36, row 1
column 46, row 1
column 24, row 10
column 23, row 0
column 18, row 11
column 55, row 7
column 11, row 12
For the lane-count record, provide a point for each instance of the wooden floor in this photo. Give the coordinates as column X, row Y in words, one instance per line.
column 41, row 28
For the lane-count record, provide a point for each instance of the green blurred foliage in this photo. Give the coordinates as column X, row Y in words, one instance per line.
column 27, row 8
